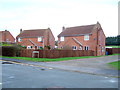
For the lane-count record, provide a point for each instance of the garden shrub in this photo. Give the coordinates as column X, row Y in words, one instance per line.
column 9, row 51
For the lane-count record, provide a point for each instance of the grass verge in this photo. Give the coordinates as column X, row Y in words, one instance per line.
column 49, row 60
column 114, row 46
column 115, row 64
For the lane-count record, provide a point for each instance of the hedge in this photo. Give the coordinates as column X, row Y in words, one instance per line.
column 9, row 51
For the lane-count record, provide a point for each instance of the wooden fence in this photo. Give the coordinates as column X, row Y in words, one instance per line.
column 55, row 53
column 113, row 51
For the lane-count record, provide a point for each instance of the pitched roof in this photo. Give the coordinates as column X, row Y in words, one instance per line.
column 76, row 31
column 32, row 33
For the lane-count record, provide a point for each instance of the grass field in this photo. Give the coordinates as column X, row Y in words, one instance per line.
column 48, row 60
column 115, row 64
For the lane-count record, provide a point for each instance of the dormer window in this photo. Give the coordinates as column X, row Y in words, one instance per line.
column 86, row 37
column 39, row 39
column 61, row 38
column 19, row 39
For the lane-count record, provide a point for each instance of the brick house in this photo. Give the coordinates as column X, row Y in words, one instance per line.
column 38, row 38
column 87, row 37
column 6, row 37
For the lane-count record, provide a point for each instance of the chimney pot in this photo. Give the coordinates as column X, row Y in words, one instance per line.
column 63, row 28
column 20, row 30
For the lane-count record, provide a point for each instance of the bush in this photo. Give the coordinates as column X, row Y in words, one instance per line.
column 9, row 51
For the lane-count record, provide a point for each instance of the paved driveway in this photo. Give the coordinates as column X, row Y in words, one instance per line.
column 99, row 62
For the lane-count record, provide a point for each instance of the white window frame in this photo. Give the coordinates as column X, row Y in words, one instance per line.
column 103, row 49
column 86, row 37
column 19, row 39
column 80, row 48
column 74, row 47
column 29, row 47
column 86, row 47
column 62, row 38
column 39, row 39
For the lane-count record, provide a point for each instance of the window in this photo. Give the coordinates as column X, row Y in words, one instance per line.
column 61, row 47
column 80, row 47
column 19, row 39
column 86, row 48
column 86, row 37
column 39, row 39
column 61, row 38
column 103, row 49
column 29, row 47
column 74, row 47
column 39, row 47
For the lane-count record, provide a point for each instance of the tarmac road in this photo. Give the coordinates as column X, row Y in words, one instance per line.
column 22, row 76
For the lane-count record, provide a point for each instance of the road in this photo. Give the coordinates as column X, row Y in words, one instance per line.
column 23, row 76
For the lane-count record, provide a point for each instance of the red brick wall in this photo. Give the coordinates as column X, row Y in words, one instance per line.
column 70, row 42
column 7, row 36
column 48, row 39
column 51, row 39
column 27, row 43
column 91, row 43
column 57, row 53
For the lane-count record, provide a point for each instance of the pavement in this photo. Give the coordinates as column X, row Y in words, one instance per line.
column 95, row 66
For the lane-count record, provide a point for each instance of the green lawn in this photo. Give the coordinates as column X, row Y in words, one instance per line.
column 48, row 60
column 6, row 44
column 115, row 64
column 114, row 46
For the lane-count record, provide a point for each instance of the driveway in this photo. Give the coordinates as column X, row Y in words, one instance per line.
column 99, row 62
column 96, row 66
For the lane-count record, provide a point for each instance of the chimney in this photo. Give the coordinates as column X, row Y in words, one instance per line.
column 63, row 28
column 48, row 28
column 20, row 30
column 5, row 35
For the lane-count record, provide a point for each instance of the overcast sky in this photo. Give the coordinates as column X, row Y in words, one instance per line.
column 40, row 14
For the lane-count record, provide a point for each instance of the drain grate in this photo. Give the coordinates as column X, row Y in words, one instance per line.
column 7, row 63
column 42, row 69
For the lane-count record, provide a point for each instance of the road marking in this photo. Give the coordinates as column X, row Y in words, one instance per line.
column 11, row 77
column 27, row 64
column 50, row 68
column 106, row 77
column 113, row 81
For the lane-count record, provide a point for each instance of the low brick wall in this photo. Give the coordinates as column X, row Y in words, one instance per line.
column 113, row 50
column 56, row 53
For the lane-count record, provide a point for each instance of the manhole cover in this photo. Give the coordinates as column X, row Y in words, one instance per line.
column 7, row 63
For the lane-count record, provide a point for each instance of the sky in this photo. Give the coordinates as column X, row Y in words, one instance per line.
column 41, row 14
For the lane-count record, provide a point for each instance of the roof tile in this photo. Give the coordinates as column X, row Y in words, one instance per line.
column 32, row 33
column 79, row 30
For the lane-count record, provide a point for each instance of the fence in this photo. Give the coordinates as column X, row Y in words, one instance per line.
column 113, row 50
column 56, row 53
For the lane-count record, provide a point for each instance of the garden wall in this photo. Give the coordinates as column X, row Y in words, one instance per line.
column 113, row 51
column 55, row 53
